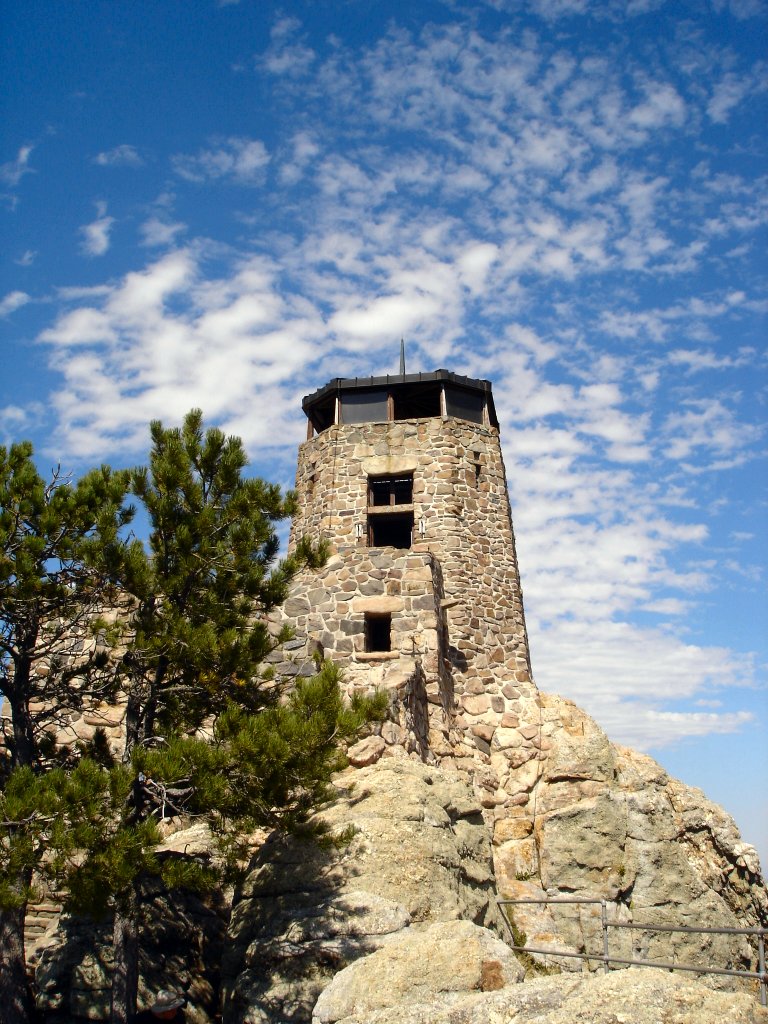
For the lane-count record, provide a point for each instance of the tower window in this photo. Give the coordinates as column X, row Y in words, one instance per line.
column 390, row 531
column 390, row 511
column 390, row 490
column 378, row 632
column 467, row 405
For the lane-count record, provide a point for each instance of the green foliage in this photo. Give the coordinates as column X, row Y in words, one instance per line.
column 61, row 556
column 195, row 641
column 270, row 770
column 209, row 571
column 28, row 805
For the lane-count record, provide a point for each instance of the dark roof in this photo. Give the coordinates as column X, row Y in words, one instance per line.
column 397, row 380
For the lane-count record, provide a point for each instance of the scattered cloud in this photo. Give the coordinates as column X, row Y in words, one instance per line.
column 304, row 151
column 157, row 232
column 647, row 668
column 96, row 234
column 120, row 156
column 163, row 340
column 287, row 55
column 15, row 421
column 13, row 301
column 12, row 172
column 237, row 159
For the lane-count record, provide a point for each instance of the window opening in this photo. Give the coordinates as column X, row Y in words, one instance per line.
column 390, row 511
column 364, row 406
column 390, row 490
column 390, row 531
column 416, row 403
column 378, row 632
column 466, row 405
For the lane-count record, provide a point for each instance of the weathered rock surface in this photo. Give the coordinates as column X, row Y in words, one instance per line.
column 604, row 822
column 436, row 963
column 635, row 996
column 420, row 853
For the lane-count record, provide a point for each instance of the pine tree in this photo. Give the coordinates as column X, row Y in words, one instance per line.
column 197, row 641
column 267, row 770
column 194, row 638
column 206, row 582
column 60, row 557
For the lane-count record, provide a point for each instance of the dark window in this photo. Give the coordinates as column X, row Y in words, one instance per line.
column 390, row 490
column 322, row 415
column 391, row 530
column 378, row 632
column 413, row 403
column 364, row 407
column 467, row 405
column 390, row 520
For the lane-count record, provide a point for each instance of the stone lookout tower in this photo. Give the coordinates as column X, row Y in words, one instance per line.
column 403, row 477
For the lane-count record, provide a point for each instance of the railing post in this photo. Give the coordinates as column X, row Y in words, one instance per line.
column 761, row 961
column 604, row 922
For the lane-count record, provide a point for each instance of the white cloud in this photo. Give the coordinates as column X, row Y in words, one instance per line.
column 699, row 359
column 120, row 156
column 13, row 301
column 287, row 56
column 158, row 232
column 163, row 340
column 15, row 421
column 474, row 265
column 96, row 234
column 662, row 106
column 12, row 172
column 643, row 669
column 708, row 428
column 304, row 151
column 237, row 159
column 742, row 9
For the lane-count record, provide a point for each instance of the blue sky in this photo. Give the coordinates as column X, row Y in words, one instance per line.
column 226, row 204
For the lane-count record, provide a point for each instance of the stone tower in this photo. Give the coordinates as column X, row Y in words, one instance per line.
column 403, row 477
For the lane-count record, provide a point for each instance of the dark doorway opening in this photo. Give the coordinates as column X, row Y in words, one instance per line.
column 390, row 530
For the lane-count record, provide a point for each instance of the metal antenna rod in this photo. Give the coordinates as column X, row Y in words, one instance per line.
column 402, row 358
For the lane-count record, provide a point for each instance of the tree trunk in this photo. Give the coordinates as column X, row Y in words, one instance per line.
column 125, row 978
column 19, row 693
column 16, row 1005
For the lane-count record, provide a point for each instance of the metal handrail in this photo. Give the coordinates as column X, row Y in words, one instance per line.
column 607, row 959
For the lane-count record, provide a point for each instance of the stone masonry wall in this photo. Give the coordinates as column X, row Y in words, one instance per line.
column 458, row 626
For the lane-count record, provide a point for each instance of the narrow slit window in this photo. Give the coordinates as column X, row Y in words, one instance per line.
column 378, row 633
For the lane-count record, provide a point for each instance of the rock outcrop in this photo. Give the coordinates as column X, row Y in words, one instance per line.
column 420, row 854
column 400, row 924
column 435, row 964
column 604, row 822
column 636, row 996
